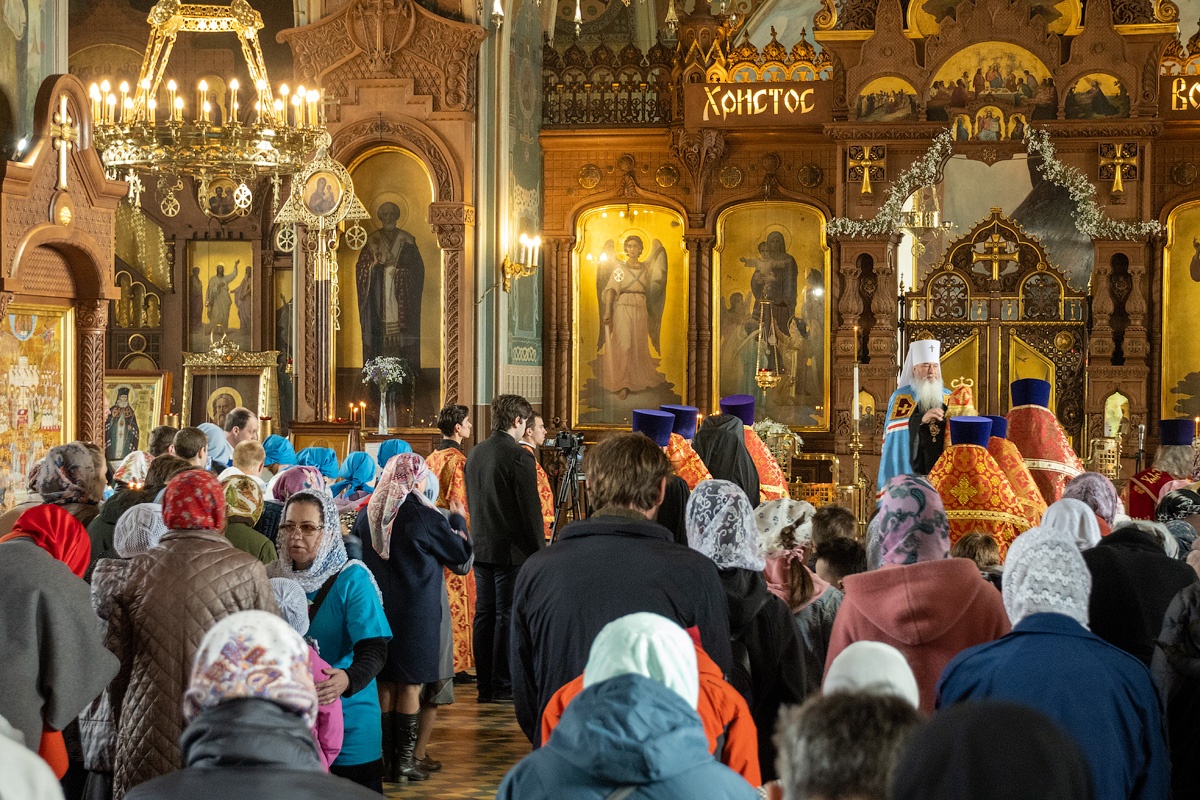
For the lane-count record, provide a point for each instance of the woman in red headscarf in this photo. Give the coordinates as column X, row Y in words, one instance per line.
column 54, row 660
column 174, row 593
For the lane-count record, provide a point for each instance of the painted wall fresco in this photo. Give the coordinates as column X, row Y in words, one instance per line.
column 999, row 74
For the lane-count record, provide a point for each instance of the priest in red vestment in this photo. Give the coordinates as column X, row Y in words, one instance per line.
column 1013, row 465
column 977, row 495
column 535, row 435
column 447, row 462
column 1172, row 461
column 1042, row 442
column 683, row 457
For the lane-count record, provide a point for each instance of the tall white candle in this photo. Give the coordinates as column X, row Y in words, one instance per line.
column 854, row 400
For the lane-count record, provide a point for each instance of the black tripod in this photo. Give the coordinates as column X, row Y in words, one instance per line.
column 569, row 495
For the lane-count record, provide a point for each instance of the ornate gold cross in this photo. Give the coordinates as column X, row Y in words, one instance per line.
column 1118, row 157
column 865, row 157
column 963, row 491
column 995, row 251
column 65, row 134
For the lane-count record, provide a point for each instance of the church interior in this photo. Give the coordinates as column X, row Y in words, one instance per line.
column 347, row 214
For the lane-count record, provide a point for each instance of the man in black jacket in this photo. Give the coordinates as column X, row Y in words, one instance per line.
column 617, row 562
column 506, row 524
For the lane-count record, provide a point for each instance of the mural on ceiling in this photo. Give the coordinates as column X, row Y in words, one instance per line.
column 1097, row 96
column 1015, row 186
column 787, row 17
column 887, row 99
column 998, row 74
column 525, row 181
column 1061, row 16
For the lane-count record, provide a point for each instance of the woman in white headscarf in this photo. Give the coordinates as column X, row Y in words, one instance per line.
column 136, row 531
column 1074, row 518
column 785, row 530
column 873, row 668
column 768, row 658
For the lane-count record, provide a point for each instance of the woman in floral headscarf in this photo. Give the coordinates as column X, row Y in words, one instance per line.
column 173, row 594
column 297, row 479
column 250, row 707
column 785, row 531
column 243, row 506
column 70, row 477
column 922, row 602
column 348, row 625
column 406, row 542
column 768, row 663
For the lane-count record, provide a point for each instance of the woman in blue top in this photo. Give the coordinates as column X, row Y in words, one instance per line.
column 348, row 624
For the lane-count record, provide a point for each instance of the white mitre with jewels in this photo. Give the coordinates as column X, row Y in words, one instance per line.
column 923, row 351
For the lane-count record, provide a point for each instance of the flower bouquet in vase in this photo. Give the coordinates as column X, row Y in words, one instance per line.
column 387, row 372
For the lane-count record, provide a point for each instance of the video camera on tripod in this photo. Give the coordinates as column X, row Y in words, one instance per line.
column 570, row 445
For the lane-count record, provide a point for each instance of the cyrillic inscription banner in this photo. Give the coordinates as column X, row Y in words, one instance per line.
column 744, row 105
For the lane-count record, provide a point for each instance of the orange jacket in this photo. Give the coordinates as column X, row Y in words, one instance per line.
column 725, row 715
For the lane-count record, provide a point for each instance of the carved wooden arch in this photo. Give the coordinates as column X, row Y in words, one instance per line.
column 887, row 46
column 991, row 21
column 75, row 222
column 781, row 196
column 414, row 136
column 621, row 194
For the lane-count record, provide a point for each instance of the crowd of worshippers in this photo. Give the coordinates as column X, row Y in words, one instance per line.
column 219, row 617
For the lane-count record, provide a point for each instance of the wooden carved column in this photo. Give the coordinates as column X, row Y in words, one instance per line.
column 1131, row 378
column 557, row 330
column 700, row 336
column 454, row 225
column 1100, row 344
column 91, row 317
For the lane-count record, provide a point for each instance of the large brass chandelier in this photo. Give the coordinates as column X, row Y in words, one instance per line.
column 158, row 129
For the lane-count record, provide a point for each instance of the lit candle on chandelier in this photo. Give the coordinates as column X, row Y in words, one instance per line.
column 152, row 110
column 111, row 114
column 94, row 94
column 177, row 116
column 171, row 87
column 301, row 93
column 297, row 110
column 124, row 89
column 202, row 99
column 314, row 98
column 233, row 103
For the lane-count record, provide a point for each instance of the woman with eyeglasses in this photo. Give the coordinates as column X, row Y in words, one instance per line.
column 347, row 622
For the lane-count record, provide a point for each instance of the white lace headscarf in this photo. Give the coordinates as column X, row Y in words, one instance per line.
column 1074, row 518
column 720, row 524
column 331, row 556
column 139, row 529
column 1044, row 572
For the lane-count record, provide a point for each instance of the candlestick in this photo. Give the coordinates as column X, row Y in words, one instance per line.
column 171, row 87
column 233, row 101
column 124, row 89
column 855, row 344
column 152, row 107
column 202, row 98
column 94, row 94
column 854, row 400
column 178, row 115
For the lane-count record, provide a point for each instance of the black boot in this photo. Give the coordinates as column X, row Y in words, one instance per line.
column 388, row 724
column 404, row 764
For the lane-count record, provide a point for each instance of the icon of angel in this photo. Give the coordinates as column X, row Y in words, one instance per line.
column 632, row 293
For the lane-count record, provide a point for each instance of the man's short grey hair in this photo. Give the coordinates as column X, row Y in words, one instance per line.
column 842, row 745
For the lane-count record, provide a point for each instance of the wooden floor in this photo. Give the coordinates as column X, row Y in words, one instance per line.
column 476, row 744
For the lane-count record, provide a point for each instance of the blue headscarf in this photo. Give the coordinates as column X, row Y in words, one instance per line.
column 323, row 458
column 279, row 451
column 392, row 447
column 358, row 470
column 219, row 451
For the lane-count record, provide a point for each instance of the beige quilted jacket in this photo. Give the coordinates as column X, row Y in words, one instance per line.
column 174, row 593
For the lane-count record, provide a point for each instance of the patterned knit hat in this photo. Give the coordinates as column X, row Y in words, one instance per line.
column 1045, row 573
column 252, row 654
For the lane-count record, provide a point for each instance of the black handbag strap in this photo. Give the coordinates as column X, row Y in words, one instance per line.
column 322, row 593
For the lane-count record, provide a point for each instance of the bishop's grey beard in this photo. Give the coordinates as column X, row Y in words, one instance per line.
column 930, row 393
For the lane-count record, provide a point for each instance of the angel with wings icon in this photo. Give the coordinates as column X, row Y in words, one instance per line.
column 632, row 292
